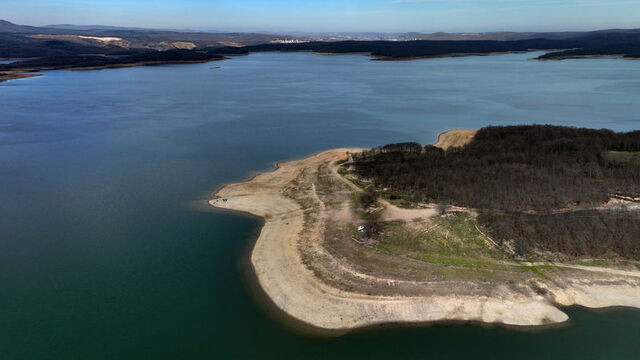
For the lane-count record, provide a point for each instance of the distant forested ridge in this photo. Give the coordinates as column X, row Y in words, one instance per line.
column 601, row 43
column 56, row 55
column 414, row 49
column 117, row 59
column 49, row 52
column 536, row 185
column 626, row 45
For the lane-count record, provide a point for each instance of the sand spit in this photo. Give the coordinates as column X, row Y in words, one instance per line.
column 139, row 63
column 13, row 75
column 325, row 290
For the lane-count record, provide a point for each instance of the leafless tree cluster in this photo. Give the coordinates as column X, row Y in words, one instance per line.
column 518, row 177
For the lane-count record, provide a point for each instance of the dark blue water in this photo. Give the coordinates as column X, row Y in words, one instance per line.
column 109, row 251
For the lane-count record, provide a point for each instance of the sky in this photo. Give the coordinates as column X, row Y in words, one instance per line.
column 332, row 15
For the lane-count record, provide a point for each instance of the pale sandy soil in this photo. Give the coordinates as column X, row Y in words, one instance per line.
column 312, row 283
column 173, row 45
column 105, row 39
column 231, row 43
column 102, row 39
column 392, row 212
column 455, row 137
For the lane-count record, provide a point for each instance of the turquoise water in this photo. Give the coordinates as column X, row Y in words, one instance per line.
column 109, row 251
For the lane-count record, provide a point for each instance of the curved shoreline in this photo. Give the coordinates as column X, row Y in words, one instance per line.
column 6, row 76
column 295, row 289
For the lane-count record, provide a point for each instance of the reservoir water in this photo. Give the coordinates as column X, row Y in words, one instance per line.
column 109, row 251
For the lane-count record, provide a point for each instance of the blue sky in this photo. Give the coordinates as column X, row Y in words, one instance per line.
column 332, row 15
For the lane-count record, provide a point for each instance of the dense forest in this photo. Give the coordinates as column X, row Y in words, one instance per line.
column 601, row 44
column 519, row 178
column 512, row 168
column 597, row 234
column 410, row 49
column 98, row 60
column 15, row 46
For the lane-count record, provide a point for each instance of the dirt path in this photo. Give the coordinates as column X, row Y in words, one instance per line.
column 334, row 169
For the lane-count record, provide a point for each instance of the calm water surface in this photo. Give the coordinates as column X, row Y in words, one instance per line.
column 107, row 247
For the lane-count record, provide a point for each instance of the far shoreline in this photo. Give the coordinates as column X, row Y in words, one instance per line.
column 25, row 72
column 17, row 75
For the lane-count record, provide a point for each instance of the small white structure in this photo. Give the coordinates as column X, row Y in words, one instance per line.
column 361, row 228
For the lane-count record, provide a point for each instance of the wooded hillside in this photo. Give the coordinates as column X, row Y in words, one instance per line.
column 511, row 168
column 536, row 187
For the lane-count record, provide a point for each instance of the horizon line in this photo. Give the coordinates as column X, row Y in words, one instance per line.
column 287, row 32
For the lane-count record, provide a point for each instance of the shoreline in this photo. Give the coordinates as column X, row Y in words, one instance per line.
column 295, row 289
column 24, row 72
column 449, row 55
column 366, row 54
column 578, row 57
column 16, row 75
column 140, row 63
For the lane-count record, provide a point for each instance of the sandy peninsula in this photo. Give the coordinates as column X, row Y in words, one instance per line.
column 13, row 75
column 311, row 266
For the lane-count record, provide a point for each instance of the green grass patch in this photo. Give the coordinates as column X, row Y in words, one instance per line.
column 355, row 199
column 357, row 183
column 455, row 241
column 537, row 269
column 397, row 200
column 342, row 171
column 623, row 157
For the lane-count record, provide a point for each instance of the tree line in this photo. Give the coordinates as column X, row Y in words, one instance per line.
column 576, row 234
column 514, row 168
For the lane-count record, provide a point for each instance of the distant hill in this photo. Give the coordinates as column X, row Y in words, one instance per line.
column 501, row 36
column 623, row 43
column 116, row 28
column 444, row 36
column 56, row 48
column 17, row 46
column 9, row 27
column 91, row 27
column 132, row 38
column 142, row 36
